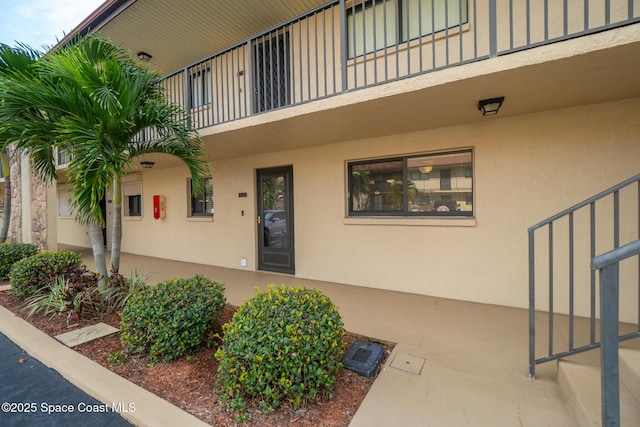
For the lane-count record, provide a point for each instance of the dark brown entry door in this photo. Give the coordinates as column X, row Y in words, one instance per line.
column 275, row 220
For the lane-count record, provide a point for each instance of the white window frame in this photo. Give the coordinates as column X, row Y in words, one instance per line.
column 65, row 208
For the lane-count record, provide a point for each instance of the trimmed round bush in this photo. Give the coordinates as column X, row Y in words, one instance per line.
column 284, row 345
column 172, row 318
column 39, row 271
column 10, row 253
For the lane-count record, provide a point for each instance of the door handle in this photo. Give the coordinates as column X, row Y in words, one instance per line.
column 259, row 220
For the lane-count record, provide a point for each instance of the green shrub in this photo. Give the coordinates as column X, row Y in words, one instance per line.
column 52, row 302
column 10, row 253
column 283, row 345
column 172, row 318
column 120, row 289
column 40, row 270
column 70, row 296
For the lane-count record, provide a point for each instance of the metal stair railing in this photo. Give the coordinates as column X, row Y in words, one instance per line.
column 555, row 225
column 609, row 266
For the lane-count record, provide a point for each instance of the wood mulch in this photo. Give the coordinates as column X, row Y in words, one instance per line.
column 189, row 382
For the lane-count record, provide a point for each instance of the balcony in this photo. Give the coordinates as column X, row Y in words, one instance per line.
column 341, row 47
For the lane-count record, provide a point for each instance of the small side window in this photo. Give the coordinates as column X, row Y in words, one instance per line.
column 132, row 195
column 202, row 203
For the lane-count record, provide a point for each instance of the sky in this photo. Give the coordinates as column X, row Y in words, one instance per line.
column 39, row 23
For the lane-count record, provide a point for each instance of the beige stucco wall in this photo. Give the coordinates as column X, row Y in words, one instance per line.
column 526, row 168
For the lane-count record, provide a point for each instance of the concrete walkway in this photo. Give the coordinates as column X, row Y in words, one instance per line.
column 455, row 363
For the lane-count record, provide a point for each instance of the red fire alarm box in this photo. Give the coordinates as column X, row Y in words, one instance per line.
column 158, row 206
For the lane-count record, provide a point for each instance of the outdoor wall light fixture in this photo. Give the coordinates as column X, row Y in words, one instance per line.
column 147, row 165
column 144, row 56
column 490, row 106
column 425, row 169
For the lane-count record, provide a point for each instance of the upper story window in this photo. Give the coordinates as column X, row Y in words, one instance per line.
column 64, row 156
column 200, row 87
column 202, row 204
column 439, row 184
column 376, row 24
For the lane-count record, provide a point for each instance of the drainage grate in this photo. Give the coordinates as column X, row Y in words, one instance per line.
column 363, row 358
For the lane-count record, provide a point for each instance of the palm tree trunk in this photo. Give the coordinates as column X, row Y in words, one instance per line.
column 6, row 213
column 97, row 245
column 116, row 233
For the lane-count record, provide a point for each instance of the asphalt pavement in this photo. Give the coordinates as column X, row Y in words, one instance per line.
column 32, row 395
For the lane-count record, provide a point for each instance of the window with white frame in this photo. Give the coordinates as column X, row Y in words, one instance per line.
column 132, row 198
column 200, row 87
column 379, row 24
column 201, row 204
column 434, row 184
column 64, row 156
column 64, row 203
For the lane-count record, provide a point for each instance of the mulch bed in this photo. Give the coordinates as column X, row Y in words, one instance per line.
column 189, row 382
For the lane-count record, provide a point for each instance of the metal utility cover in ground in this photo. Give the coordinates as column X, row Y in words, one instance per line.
column 408, row 363
column 363, row 358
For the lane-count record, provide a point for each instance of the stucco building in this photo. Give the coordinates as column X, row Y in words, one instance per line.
column 348, row 144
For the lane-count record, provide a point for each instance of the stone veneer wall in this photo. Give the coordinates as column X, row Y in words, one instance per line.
column 38, row 212
column 15, row 226
column 38, row 206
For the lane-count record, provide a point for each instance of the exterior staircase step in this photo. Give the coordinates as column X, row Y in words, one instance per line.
column 581, row 386
column 630, row 371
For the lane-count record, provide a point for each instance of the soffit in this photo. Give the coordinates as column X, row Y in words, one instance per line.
column 178, row 33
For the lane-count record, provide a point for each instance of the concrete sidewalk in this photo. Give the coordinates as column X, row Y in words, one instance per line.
column 455, row 363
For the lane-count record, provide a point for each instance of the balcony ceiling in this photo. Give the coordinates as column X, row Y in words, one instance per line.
column 178, row 33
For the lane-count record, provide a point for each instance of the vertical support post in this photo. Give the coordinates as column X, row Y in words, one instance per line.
column 592, row 277
column 343, row 44
column 616, row 219
column 251, row 86
column 551, row 313
column 187, row 96
column 532, row 308
column 609, row 293
column 493, row 29
column 571, row 282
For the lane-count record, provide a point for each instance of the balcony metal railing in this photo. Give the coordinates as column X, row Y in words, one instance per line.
column 560, row 268
column 348, row 45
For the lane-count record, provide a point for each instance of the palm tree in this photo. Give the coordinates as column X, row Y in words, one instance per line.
column 19, row 61
column 91, row 100
column 6, row 208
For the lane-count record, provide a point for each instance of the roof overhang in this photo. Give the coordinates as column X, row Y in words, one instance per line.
column 180, row 33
